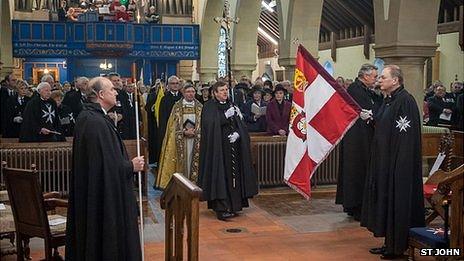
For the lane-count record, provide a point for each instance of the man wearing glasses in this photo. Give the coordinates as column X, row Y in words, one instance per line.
column 167, row 102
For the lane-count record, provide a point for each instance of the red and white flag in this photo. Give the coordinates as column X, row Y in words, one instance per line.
column 322, row 112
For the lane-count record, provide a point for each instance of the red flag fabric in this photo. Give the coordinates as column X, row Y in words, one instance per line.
column 322, row 112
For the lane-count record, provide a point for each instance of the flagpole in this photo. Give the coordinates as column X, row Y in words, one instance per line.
column 137, row 131
column 226, row 21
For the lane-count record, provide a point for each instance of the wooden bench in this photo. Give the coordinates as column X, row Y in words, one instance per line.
column 53, row 160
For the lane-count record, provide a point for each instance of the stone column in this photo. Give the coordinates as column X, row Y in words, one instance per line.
column 406, row 35
column 208, row 74
column 244, row 36
column 209, row 31
column 299, row 22
column 6, row 45
column 243, row 69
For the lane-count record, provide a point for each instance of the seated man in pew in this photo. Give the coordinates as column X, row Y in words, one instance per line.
column 40, row 118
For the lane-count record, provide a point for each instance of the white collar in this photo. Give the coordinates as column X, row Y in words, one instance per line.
column 104, row 111
column 185, row 102
column 174, row 93
column 222, row 102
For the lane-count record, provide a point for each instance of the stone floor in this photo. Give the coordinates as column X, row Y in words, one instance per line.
column 279, row 225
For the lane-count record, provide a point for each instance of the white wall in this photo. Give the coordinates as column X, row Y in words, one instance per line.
column 350, row 59
column 451, row 58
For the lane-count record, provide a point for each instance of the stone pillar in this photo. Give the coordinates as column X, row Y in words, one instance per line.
column 6, row 45
column 244, row 36
column 243, row 69
column 208, row 74
column 299, row 22
column 209, row 31
column 406, row 35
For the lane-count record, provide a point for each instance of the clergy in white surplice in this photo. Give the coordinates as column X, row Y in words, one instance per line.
column 181, row 144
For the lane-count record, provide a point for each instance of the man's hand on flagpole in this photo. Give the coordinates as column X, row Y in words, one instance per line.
column 138, row 163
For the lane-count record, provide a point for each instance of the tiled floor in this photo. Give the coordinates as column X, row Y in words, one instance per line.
column 278, row 226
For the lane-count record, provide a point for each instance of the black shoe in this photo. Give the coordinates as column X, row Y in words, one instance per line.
column 224, row 215
column 377, row 250
column 388, row 256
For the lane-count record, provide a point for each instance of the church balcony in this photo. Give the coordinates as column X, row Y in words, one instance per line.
column 48, row 39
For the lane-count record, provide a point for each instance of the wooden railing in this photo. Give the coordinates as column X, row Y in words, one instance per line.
column 180, row 200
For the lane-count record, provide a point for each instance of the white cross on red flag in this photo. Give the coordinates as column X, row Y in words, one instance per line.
column 322, row 112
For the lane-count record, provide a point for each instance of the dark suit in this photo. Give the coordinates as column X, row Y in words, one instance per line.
column 436, row 107
column 75, row 100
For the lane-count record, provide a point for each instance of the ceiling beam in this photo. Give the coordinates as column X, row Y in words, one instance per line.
column 355, row 13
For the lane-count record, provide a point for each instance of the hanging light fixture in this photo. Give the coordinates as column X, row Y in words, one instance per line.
column 106, row 66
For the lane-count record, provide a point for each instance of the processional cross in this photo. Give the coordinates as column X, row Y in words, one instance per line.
column 226, row 21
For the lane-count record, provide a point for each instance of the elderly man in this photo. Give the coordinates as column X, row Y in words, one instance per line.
column 441, row 108
column 102, row 213
column 76, row 99
column 165, row 108
column 181, row 147
column 40, row 118
column 355, row 147
column 48, row 78
column 393, row 197
column 226, row 174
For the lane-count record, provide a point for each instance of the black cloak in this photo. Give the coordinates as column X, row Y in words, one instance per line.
column 40, row 114
column 355, row 152
column 393, row 197
column 67, row 120
column 102, row 213
column 13, row 109
column 75, row 100
column 166, row 104
column 152, row 126
column 128, row 114
column 214, row 175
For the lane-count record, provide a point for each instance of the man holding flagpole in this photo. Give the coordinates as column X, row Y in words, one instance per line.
column 102, row 213
column 322, row 112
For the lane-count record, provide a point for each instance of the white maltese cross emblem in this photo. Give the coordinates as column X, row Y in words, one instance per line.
column 403, row 124
column 48, row 114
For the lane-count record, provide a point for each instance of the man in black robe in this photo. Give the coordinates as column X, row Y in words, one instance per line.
column 393, row 197
column 14, row 110
column 40, row 118
column 116, row 113
column 355, row 146
column 167, row 102
column 102, row 212
column 226, row 174
column 76, row 99
column 7, row 90
column 152, row 122
column 128, row 112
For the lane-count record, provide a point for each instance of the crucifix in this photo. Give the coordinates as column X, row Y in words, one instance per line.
column 226, row 21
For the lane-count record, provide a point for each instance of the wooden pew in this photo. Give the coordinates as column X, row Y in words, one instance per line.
column 53, row 160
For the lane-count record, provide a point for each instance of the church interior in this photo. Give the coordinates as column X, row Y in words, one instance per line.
column 251, row 45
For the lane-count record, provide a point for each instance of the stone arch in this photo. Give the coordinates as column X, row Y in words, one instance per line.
column 209, row 39
column 244, row 37
column 6, row 52
column 298, row 20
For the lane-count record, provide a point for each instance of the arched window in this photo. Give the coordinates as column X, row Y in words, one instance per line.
column 221, row 53
column 329, row 67
column 379, row 63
